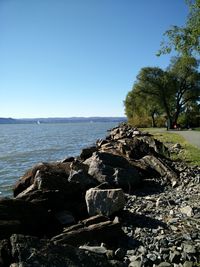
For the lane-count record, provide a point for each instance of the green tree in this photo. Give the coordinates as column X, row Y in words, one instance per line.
column 169, row 92
column 185, row 40
column 141, row 106
column 184, row 71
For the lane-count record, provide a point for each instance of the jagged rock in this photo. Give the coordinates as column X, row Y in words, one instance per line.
column 159, row 224
column 133, row 143
column 84, row 179
column 114, row 169
column 29, row 251
column 104, row 201
column 55, row 170
column 19, row 216
column 95, row 249
column 87, row 152
column 159, row 166
column 94, row 220
column 106, row 231
column 52, row 189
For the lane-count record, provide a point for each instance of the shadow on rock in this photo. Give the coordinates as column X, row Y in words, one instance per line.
column 148, row 187
column 142, row 221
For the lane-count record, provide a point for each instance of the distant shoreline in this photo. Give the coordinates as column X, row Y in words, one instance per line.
column 61, row 120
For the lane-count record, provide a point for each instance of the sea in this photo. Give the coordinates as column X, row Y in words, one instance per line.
column 24, row 145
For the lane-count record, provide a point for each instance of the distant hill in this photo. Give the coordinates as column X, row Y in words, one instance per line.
column 7, row 120
column 64, row 120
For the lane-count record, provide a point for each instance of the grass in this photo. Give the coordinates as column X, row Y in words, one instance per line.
column 197, row 129
column 188, row 153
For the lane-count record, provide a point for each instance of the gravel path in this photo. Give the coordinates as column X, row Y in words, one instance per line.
column 192, row 137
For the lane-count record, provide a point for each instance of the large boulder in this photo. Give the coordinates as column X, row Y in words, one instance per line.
column 94, row 230
column 19, row 216
column 57, row 187
column 113, row 169
column 163, row 170
column 104, row 201
column 55, row 170
column 131, row 143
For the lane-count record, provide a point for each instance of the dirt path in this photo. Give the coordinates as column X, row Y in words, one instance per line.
column 193, row 137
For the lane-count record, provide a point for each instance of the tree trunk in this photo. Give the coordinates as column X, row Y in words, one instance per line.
column 153, row 122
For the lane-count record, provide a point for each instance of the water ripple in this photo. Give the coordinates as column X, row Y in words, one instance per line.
column 23, row 145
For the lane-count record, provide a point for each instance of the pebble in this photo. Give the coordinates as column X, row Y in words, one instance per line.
column 166, row 223
column 135, row 264
column 187, row 210
column 190, row 249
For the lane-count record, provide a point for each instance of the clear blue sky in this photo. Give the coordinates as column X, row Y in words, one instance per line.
column 63, row 58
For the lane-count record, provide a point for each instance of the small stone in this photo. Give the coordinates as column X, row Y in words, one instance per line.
column 187, row 210
column 187, row 237
column 174, row 228
column 152, row 257
column 190, row 249
column 133, row 258
column 164, row 264
column 171, row 212
column 135, row 264
column 130, row 252
column 188, row 264
column 142, row 250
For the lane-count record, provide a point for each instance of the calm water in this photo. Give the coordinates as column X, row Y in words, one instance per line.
column 23, row 145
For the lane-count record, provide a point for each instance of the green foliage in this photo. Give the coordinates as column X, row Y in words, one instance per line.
column 158, row 93
column 185, row 40
column 191, row 116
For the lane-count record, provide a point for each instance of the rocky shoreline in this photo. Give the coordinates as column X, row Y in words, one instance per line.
column 121, row 202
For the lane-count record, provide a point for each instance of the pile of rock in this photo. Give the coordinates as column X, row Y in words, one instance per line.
column 121, row 202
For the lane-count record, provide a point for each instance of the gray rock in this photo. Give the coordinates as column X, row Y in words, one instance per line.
column 188, row 264
column 187, row 210
column 81, row 177
column 30, row 251
column 135, row 264
column 161, row 168
column 164, row 264
column 95, row 249
column 189, row 249
column 114, row 169
column 152, row 257
column 104, row 201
